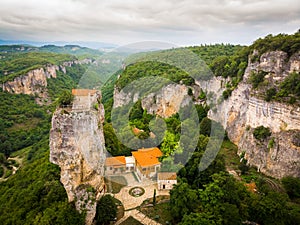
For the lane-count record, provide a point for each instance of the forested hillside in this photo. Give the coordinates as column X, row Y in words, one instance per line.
column 31, row 192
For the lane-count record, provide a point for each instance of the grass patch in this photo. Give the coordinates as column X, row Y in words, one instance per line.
column 27, row 125
column 115, row 183
column 160, row 212
column 229, row 151
column 131, row 221
column 21, row 153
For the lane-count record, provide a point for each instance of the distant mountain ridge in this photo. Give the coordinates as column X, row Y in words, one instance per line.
column 93, row 45
column 67, row 49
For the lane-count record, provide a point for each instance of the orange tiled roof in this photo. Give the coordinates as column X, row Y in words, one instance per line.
column 166, row 176
column 147, row 156
column 115, row 161
column 136, row 130
column 83, row 92
column 251, row 187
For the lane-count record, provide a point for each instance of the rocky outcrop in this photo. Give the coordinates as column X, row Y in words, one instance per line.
column 165, row 102
column 77, row 146
column 35, row 81
column 245, row 110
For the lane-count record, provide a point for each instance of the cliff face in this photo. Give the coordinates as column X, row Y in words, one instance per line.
column 164, row 103
column 35, row 81
column 77, row 146
column 244, row 111
column 31, row 83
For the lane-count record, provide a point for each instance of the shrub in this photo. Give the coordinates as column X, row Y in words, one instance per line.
column 202, row 95
column 270, row 93
column 65, row 98
column 292, row 186
column 226, row 93
column 1, row 171
column 271, row 143
column 205, row 126
column 106, row 210
column 261, row 132
column 257, row 78
column 2, row 158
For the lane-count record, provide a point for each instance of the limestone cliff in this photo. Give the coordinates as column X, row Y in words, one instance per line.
column 77, row 146
column 164, row 102
column 245, row 110
column 242, row 112
column 35, row 81
column 32, row 82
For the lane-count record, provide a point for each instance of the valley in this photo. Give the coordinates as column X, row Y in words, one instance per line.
column 66, row 111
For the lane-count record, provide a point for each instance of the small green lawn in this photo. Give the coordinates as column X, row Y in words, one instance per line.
column 131, row 221
column 160, row 212
column 115, row 184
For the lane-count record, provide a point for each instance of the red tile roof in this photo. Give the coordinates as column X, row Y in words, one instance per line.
column 83, row 92
column 166, row 176
column 147, row 156
column 115, row 161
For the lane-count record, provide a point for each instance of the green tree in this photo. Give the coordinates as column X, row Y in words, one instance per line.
column 292, row 186
column 154, row 197
column 256, row 78
column 136, row 111
column 1, row 171
column 291, row 84
column 62, row 213
column 205, row 126
column 270, row 93
column 183, row 200
column 261, row 132
column 203, row 218
column 169, row 143
column 65, row 98
column 269, row 209
column 106, row 210
column 2, row 158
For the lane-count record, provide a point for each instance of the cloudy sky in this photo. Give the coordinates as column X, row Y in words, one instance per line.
column 182, row 22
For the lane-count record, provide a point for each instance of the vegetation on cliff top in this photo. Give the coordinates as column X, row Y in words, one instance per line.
column 282, row 42
column 15, row 64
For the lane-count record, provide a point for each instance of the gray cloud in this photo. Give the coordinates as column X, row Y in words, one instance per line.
column 182, row 22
